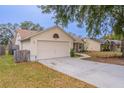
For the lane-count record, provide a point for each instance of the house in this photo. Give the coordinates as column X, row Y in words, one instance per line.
column 111, row 45
column 78, row 44
column 92, row 44
column 50, row 43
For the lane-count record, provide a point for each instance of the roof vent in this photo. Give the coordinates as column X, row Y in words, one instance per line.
column 56, row 36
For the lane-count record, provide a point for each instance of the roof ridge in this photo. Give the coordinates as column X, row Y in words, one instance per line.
column 28, row 30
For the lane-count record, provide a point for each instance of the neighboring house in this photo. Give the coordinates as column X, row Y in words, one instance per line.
column 92, row 44
column 113, row 45
column 50, row 43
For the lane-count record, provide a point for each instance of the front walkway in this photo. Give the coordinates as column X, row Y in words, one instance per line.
column 83, row 55
column 98, row 74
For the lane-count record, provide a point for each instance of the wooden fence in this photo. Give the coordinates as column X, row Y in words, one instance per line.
column 22, row 56
column 122, row 47
column 2, row 50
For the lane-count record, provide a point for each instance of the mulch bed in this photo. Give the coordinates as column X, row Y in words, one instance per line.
column 117, row 61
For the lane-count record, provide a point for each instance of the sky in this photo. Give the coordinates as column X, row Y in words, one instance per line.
column 17, row 14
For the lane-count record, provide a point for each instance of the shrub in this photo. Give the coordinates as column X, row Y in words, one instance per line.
column 72, row 54
column 105, row 47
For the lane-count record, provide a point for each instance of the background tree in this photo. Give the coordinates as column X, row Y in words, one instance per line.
column 7, row 32
column 99, row 20
column 28, row 25
column 113, row 37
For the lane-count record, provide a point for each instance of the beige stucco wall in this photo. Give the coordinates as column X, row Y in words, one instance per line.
column 92, row 45
column 48, row 36
column 25, row 45
column 18, row 40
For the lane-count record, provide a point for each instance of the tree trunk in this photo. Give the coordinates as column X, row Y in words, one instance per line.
column 122, row 47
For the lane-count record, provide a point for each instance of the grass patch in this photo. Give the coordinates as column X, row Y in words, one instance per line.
column 6, row 59
column 33, row 74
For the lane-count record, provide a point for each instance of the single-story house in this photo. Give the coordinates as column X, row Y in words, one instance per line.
column 92, row 44
column 50, row 43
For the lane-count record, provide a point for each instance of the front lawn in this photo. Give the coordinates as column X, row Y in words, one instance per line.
column 33, row 75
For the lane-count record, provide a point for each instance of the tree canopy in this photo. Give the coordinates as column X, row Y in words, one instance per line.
column 113, row 37
column 99, row 19
column 28, row 25
column 7, row 31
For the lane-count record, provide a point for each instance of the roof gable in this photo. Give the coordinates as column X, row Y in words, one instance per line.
column 49, row 29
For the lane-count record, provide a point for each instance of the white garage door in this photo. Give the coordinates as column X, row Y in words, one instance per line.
column 51, row 49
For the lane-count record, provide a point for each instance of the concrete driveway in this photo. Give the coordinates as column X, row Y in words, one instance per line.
column 98, row 74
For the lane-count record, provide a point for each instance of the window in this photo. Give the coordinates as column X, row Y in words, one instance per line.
column 55, row 35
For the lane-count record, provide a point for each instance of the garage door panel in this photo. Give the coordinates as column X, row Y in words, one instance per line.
column 50, row 49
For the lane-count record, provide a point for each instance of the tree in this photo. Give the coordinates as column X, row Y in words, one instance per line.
column 113, row 37
column 99, row 19
column 28, row 25
column 7, row 32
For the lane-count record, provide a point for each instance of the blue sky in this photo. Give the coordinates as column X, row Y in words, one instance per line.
column 17, row 14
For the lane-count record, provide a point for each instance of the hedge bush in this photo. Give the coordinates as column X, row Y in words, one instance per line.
column 105, row 54
column 72, row 54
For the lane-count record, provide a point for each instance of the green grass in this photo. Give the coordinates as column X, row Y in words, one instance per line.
column 33, row 74
column 6, row 59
